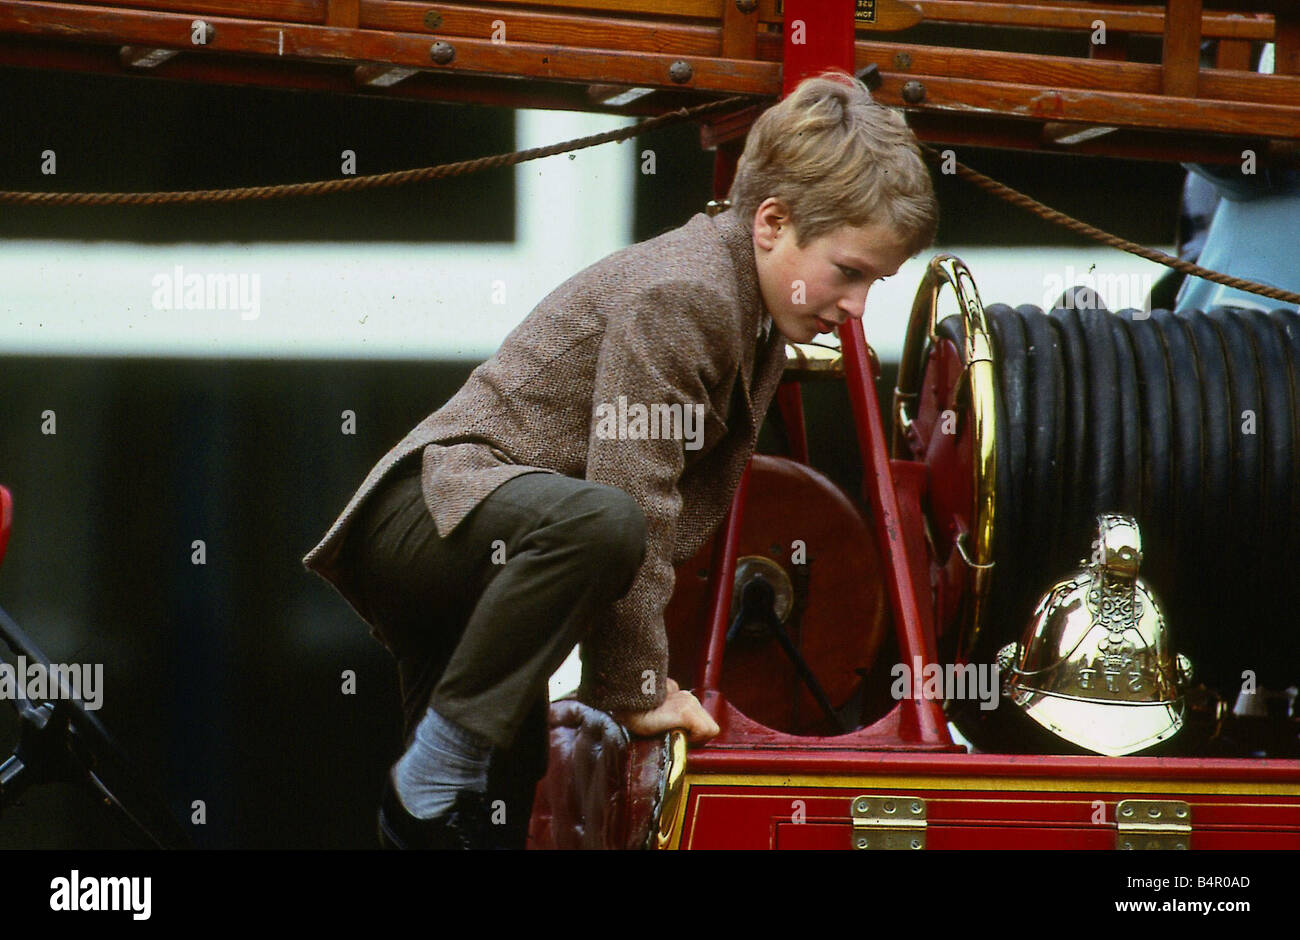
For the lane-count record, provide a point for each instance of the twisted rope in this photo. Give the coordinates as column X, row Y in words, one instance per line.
column 374, row 181
column 1017, row 198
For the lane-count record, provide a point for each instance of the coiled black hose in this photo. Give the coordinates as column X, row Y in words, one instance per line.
column 1188, row 421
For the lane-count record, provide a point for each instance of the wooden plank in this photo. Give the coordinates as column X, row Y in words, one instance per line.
column 1247, row 86
column 1066, row 71
column 518, row 59
column 1041, row 13
column 739, row 32
column 477, row 21
column 1232, row 54
column 343, row 13
column 1033, row 82
column 1181, row 51
column 892, row 15
column 1080, row 16
column 958, row 130
column 728, row 127
column 1062, row 72
column 995, row 66
column 1188, row 115
column 699, row 9
column 216, row 68
column 1286, row 54
column 288, row 11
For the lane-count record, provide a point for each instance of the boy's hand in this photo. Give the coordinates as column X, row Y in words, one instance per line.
column 680, row 709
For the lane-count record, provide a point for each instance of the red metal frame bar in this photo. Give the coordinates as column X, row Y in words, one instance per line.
column 914, row 639
column 722, row 577
column 6, row 519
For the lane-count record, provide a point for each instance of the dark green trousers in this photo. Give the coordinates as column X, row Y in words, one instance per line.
column 478, row 621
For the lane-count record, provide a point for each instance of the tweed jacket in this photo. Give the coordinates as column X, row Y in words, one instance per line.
column 673, row 320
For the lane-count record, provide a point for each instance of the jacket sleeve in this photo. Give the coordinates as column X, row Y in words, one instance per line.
column 663, row 346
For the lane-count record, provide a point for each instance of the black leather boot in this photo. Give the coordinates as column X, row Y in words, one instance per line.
column 464, row 826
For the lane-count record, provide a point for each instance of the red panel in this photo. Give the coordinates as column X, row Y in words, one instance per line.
column 822, row 757
column 728, row 816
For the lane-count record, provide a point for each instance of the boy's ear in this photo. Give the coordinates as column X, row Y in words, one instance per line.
column 772, row 212
column 769, row 219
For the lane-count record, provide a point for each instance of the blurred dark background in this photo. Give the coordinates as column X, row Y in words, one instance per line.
column 223, row 681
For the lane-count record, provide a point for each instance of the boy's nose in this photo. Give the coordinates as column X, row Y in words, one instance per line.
column 855, row 304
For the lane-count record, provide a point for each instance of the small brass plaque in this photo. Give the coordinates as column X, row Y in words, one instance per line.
column 864, row 11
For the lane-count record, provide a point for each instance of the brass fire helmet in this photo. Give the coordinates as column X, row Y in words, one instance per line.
column 1095, row 665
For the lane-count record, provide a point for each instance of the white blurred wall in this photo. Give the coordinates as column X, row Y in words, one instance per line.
column 370, row 300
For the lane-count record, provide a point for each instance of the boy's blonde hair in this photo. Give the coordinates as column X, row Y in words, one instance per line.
column 835, row 157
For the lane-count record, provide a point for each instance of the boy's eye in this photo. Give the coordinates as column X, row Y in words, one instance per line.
column 849, row 272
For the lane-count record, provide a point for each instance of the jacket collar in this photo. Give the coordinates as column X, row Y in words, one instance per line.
column 738, row 236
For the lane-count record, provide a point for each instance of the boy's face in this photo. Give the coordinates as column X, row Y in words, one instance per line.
column 813, row 289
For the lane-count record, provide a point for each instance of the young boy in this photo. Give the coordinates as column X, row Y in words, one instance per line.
column 521, row 517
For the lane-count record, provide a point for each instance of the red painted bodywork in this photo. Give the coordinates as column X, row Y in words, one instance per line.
column 1016, row 815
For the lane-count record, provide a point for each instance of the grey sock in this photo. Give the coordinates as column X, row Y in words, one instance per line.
column 443, row 758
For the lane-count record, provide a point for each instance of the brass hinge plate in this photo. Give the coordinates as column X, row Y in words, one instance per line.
column 888, row 822
column 1153, row 824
